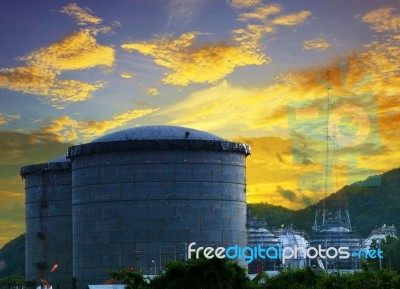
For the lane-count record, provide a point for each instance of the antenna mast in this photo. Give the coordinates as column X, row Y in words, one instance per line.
column 327, row 141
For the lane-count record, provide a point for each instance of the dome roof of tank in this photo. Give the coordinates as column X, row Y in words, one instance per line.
column 157, row 132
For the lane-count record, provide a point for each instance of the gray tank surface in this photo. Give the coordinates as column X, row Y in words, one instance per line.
column 141, row 195
column 48, row 239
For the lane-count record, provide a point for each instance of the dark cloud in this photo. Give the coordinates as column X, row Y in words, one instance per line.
column 279, row 157
column 141, row 103
column 287, row 194
column 18, row 149
column 306, row 200
column 312, row 182
column 305, row 149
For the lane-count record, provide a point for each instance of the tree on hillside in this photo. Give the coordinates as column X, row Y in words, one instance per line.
column 391, row 254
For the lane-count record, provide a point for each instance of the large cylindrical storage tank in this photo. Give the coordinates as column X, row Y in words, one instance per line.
column 48, row 238
column 141, row 195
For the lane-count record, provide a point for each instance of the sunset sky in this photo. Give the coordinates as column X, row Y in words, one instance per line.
column 252, row 71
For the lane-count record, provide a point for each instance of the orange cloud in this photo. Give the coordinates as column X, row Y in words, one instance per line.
column 251, row 36
column 76, row 52
column 383, row 19
column 261, row 109
column 93, row 129
column 260, row 13
column 6, row 118
column 264, row 108
column 292, row 19
column 316, row 44
column 127, row 75
column 82, row 15
column 244, row 3
column 66, row 128
column 207, row 63
column 40, row 76
column 189, row 64
column 152, row 91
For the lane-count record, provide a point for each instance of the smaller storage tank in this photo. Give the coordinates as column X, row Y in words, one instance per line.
column 259, row 235
column 290, row 237
column 48, row 239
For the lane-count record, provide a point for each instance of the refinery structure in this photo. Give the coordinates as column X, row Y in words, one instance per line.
column 335, row 231
column 134, row 198
column 332, row 228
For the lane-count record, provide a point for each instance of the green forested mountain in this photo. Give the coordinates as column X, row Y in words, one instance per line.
column 369, row 206
column 12, row 257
